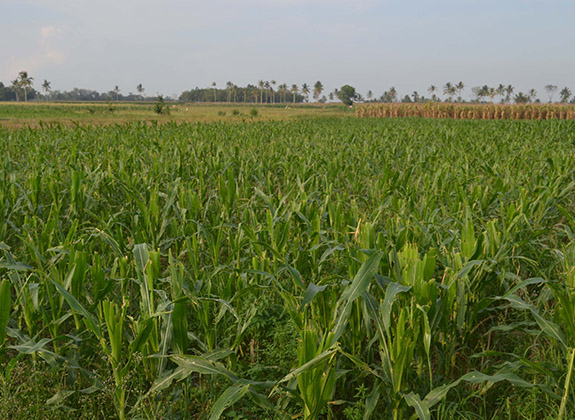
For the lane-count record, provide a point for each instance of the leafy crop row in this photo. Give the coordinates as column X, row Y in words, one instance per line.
column 327, row 268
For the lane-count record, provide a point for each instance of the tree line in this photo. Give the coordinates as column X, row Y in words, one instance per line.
column 270, row 92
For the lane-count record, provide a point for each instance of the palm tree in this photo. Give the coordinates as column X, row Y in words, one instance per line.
column 317, row 90
column 261, row 85
column 509, row 91
column 392, row 94
column 117, row 92
column 500, row 91
column 460, row 86
column 432, row 89
column 214, row 89
column 330, row 96
column 267, row 87
column 305, row 91
column 415, row 96
column 283, row 90
column 521, row 98
column 449, row 90
column 294, row 90
column 140, row 89
column 272, row 85
column 531, row 95
column 46, row 87
column 565, row 94
column 369, row 95
column 229, row 87
column 25, row 82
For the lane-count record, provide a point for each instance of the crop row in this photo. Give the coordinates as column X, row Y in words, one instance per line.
column 342, row 268
column 469, row 111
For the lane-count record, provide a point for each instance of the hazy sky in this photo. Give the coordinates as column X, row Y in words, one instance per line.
column 173, row 45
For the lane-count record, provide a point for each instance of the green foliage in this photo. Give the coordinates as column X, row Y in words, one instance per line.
column 160, row 106
column 347, row 95
column 315, row 268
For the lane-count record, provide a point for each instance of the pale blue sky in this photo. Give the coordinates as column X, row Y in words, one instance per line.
column 173, row 45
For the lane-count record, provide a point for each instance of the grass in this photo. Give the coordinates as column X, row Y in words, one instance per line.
column 32, row 114
column 310, row 267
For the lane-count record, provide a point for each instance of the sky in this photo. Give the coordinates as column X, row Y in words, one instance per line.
column 174, row 45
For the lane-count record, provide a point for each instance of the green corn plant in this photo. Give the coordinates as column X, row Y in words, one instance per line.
column 317, row 350
column 5, row 308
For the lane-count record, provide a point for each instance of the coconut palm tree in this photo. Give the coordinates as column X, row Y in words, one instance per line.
column 261, row 85
column 25, row 82
column 460, row 86
column 117, row 92
column 272, row 85
column 531, row 95
column 294, row 90
column 214, row 90
column 432, row 89
column 283, row 90
column 46, row 87
column 521, row 98
column 140, row 89
column 449, row 90
column 305, row 91
column 565, row 94
column 317, row 90
column 500, row 91
column 509, row 91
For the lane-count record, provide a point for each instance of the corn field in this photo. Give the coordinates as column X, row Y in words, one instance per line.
column 328, row 268
column 469, row 111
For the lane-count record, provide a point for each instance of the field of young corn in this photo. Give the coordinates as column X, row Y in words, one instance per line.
column 329, row 268
column 469, row 111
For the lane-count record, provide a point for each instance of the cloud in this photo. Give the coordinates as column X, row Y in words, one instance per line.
column 47, row 52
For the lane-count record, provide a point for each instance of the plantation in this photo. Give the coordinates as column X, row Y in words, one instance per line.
column 326, row 268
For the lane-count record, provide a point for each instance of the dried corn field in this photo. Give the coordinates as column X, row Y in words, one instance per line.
column 469, row 111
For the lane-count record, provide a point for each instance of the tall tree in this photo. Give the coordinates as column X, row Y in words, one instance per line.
column 531, row 95
column 140, row 89
column 272, row 86
column 214, row 89
column 509, row 91
column 432, row 89
column 317, row 90
column 459, row 86
column 521, row 98
column 117, row 92
column 25, row 83
column 550, row 89
column 294, row 90
column 449, row 90
column 565, row 94
column 261, row 86
column 229, row 89
column 347, row 95
column 500, row 91
column 369, row 95
column 46, row 87
column 305, row 91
